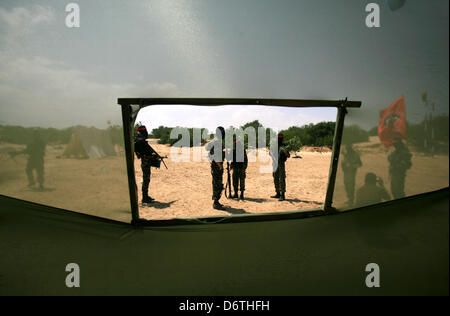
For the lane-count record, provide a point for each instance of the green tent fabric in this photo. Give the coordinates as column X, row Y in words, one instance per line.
column 324, row 255
column 53, row 79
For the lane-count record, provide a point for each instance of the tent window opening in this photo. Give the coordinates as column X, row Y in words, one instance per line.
column 221, row 160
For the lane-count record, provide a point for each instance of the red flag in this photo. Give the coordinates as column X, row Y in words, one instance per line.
column 392, row 122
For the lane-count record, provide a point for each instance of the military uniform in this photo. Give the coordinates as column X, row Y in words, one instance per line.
column 146, row 153
column 350, row 165
column 279, row 174
column 146, row 173
column 216, row 154
column 217, row 181
column 36, row 152
column 216, row 157
column 399, row 163
column 239, row 166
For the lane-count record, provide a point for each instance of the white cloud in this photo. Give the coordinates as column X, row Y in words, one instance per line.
column 41, row 92
column 20, row 21
column 191, row 42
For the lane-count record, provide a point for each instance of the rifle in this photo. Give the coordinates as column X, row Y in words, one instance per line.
column 228, row 185
column 162, row 160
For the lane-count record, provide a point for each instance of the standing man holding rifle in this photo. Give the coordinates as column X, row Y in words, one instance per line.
column 239, row 166
column 216, row 150
column 149, row 158
column 279, row 156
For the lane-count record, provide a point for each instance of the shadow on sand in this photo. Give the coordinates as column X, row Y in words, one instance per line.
column 257, row 200
column 234, row 211
column 303, row 201
column 159, row 205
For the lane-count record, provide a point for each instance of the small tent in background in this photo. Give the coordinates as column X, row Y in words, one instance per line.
column 89, row 143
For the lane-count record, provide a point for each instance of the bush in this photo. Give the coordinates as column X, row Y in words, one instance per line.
column 320, row 134
column 163, row 134
column 21, row 135
column 294, row 144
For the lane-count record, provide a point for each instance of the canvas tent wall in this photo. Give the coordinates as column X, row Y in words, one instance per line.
column 318, row 256
column 256, row 48
column 374, row 65
column 88, row 142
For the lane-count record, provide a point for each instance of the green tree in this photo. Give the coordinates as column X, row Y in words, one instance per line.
column 256, row 125
column 320, row 134
column 294, row 144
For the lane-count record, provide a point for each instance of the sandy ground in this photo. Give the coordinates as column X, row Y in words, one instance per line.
column 426, row 174
column 100, row 187
column 92, row 186
column 185, row 190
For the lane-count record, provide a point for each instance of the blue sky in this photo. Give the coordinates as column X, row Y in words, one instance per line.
column 51, row 75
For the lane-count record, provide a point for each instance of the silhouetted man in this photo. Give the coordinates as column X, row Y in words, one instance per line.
column 36, row 152
column 399, row 163
column 216, row 150
column 372, row 192
column 146, row 153
column 239, row 166
column 350, row 164
column 279, row 156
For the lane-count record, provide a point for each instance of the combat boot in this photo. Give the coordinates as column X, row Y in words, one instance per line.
column 242, row 195
column 282, row 197
column 276, row 196
column 147, row 199
column 217, row 205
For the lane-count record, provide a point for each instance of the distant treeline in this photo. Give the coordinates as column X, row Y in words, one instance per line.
column 320, row 134
column 22, row 135
column 431, row 135
column 163, row 135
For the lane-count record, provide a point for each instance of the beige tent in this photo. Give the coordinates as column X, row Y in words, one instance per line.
column 89, row 143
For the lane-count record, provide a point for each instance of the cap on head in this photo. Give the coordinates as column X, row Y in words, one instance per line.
column 280, row 138
column 142, row 130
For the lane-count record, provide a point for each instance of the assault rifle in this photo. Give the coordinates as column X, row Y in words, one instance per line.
column 156, row 162
column 162, row 160
column 228, row 185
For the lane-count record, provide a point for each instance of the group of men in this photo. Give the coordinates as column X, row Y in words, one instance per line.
column 217, row 152
column 238, row 162
column 373, row 191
